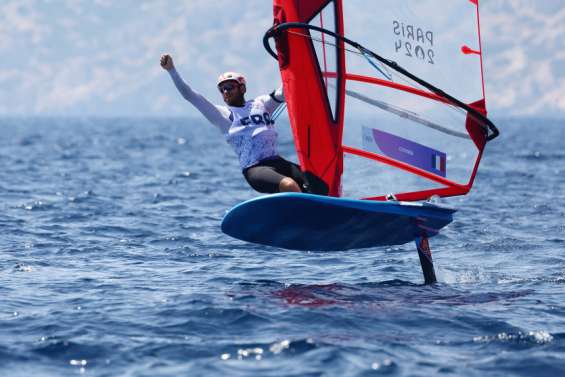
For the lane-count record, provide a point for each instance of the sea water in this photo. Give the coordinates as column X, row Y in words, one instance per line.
column 112, row 263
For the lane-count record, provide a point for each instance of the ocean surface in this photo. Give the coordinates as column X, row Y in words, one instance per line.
column 112, row 263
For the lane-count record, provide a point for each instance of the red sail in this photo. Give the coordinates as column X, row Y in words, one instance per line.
column 316, row 123
column 383, row 99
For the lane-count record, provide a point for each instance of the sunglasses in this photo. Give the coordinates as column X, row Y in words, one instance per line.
column 228, row 87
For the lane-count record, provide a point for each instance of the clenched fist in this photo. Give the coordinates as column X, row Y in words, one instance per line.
column 167, row 62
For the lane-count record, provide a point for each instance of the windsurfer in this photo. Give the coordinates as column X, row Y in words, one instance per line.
column 248, row 128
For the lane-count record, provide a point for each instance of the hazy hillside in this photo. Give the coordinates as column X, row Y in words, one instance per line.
column 101, row 57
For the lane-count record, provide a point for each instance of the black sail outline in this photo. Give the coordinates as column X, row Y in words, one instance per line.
column 490, row 129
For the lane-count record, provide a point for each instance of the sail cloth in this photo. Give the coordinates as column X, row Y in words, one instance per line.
column 384, row 97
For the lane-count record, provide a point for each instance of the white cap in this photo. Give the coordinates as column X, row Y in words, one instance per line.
column 227, row 76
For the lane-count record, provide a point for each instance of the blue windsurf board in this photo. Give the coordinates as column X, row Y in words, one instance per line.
column 313, row 222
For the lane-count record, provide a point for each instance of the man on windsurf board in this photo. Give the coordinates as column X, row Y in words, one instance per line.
column 249, row 128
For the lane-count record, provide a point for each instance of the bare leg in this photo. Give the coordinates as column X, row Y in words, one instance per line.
column 288, row 185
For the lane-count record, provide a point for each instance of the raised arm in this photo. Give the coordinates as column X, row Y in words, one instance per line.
column 274, row 99
column 217, row 115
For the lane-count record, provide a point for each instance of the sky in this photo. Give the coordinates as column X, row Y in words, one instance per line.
column 101, row 57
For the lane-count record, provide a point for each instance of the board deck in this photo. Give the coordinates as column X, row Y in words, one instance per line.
column 322, row 223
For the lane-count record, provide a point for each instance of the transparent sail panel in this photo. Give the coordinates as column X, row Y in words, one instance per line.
column 435, row 40
column 363, row 179
column 326, row 52
column 408, row 129
column 422, row 137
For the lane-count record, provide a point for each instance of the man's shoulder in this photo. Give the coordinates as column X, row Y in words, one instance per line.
column 262, row 98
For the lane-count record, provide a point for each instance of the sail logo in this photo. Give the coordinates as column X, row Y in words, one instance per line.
column 414, row 42
column 257, row 119
column 405, row 150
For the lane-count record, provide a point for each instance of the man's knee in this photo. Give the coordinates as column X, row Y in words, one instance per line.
column 288, row 185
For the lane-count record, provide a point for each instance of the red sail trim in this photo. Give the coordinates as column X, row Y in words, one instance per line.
column 476, row 2
column 468, row 50
column 425, row 194
column 475, row 168
column 281, row 43
column 390, row 84
column 306, row 10
column 476, row 130
column 400, row 165
column 450, row 190
column 324, row 53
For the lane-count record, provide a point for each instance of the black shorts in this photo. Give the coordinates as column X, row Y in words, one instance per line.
column 266, row 175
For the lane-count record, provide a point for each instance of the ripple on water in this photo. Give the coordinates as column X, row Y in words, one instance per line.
column 112, row 263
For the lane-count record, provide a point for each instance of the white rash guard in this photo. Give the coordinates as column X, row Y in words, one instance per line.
column 248, row 129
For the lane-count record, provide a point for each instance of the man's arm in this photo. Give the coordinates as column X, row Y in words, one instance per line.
column 217, row 115
column 274, row 99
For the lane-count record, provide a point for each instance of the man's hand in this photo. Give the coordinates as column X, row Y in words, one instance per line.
column 167, row 62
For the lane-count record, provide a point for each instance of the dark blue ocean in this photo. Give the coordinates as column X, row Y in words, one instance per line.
column 112, row 263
